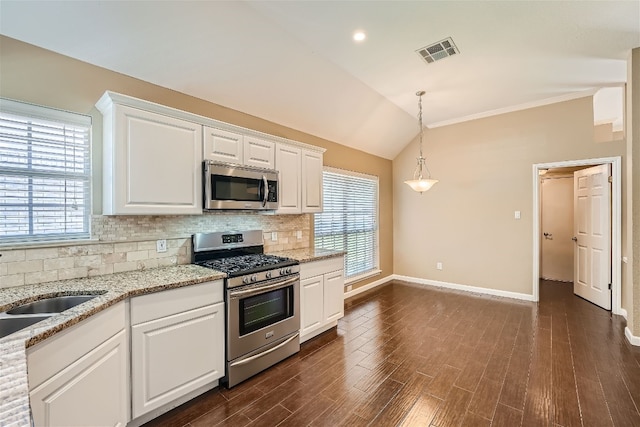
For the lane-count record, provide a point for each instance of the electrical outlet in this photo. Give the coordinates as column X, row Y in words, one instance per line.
column 516, row 215
column 439, row 266
column 161, row 245
column 299, row 234
column 274, row 236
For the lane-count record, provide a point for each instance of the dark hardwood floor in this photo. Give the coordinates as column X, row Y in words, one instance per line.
column 418, row 356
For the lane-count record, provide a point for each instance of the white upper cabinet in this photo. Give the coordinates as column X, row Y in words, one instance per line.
column 311, row 181
column 223, row 146
column 230, row 147
column 259, row 153
column 289, row 164
column 300, row 182
column 153, row 154
column 152, row 163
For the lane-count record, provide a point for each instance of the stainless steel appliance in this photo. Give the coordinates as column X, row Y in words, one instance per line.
column 262, row 295
column 230, row 186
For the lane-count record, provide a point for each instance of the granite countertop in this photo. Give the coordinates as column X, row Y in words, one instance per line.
column 112, row 288
column 309, row 254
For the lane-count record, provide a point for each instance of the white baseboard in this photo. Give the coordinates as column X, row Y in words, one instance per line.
column 466, row 288
column 633, row 340
column 368, row 286
column 622, row 313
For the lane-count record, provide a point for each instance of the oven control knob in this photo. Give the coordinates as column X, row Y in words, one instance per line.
column 254, row 278
column 245, row 280
column 283, row 271
column 288, row 271
column 268, row 275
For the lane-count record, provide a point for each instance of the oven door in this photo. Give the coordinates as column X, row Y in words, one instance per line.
column 261, row 314
column 230, row 186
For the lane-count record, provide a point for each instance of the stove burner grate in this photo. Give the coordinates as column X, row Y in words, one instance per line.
column 244, row 264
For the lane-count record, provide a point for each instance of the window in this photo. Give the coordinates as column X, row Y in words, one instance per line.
column 349, row 221
column 45, row 173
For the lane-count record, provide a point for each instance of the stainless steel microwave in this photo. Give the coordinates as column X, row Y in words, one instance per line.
column 231, row 186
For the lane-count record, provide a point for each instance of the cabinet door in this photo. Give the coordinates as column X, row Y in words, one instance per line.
column 311, row 181
column 174, row 355
column 260, row 153
column 223, row 146
column 333, row 296
column 311, row 302
column 288, row 163
column 156, row 165
column 92, row 391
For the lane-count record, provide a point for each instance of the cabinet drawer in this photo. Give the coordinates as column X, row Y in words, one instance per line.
column 166, row 303
column 50, row 356
column 175, row 355
column 315, row 268
column 91, row 391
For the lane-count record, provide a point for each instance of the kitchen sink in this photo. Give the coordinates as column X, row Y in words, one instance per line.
column 51, row 305
column 9, row 325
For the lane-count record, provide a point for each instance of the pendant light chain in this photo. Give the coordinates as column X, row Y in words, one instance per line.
column 420, row 183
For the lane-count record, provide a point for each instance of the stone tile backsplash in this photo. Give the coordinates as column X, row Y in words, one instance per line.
column 127, row 243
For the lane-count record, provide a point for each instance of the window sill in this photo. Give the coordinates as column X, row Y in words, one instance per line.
column 47, row 244
column 361, row 277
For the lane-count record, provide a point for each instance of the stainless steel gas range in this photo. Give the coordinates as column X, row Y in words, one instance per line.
column 262, row 295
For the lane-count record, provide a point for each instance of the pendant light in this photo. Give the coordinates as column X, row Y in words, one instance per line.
column 421, row 181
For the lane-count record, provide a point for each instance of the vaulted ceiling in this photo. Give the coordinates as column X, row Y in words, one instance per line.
column 296, row 63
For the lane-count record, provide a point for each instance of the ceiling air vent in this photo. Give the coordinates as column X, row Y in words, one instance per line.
column 438, row 51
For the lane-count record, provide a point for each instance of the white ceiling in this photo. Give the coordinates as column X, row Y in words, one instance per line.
column 295, row 63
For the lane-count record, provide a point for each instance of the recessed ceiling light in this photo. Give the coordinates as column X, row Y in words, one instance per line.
column 359, row 36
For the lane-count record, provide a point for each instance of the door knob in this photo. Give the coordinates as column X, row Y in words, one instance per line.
column 547, row 235
column 575, row 239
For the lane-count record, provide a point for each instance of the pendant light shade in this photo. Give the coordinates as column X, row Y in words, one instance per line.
column 421, row 181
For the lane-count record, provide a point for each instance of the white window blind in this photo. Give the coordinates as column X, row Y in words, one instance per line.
column 349, row 221
column 45, row 173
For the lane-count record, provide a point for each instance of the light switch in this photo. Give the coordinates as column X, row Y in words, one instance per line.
column 516, row 214
column 274, row 236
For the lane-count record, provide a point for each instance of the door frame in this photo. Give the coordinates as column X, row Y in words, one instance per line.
column 616, row 223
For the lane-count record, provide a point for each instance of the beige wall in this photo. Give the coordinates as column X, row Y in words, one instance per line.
column 485, row 170
column 31, row 74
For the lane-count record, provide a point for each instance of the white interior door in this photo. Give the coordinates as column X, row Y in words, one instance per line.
column 592, row 206
column 556, row 256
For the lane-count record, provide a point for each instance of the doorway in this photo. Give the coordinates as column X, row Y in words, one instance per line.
column 538, row 242
column 556, row 216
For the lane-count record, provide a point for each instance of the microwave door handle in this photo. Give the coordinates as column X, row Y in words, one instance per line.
column 265, row 193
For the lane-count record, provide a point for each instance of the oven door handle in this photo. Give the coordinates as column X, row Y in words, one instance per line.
column 236, row 294
column 264, row 353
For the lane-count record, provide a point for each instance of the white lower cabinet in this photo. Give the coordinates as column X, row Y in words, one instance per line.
column 177, row 344
column 79, row 377
column 322, row 296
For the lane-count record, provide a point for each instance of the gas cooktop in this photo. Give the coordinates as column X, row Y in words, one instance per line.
column 247, row 264
column 237, row 254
